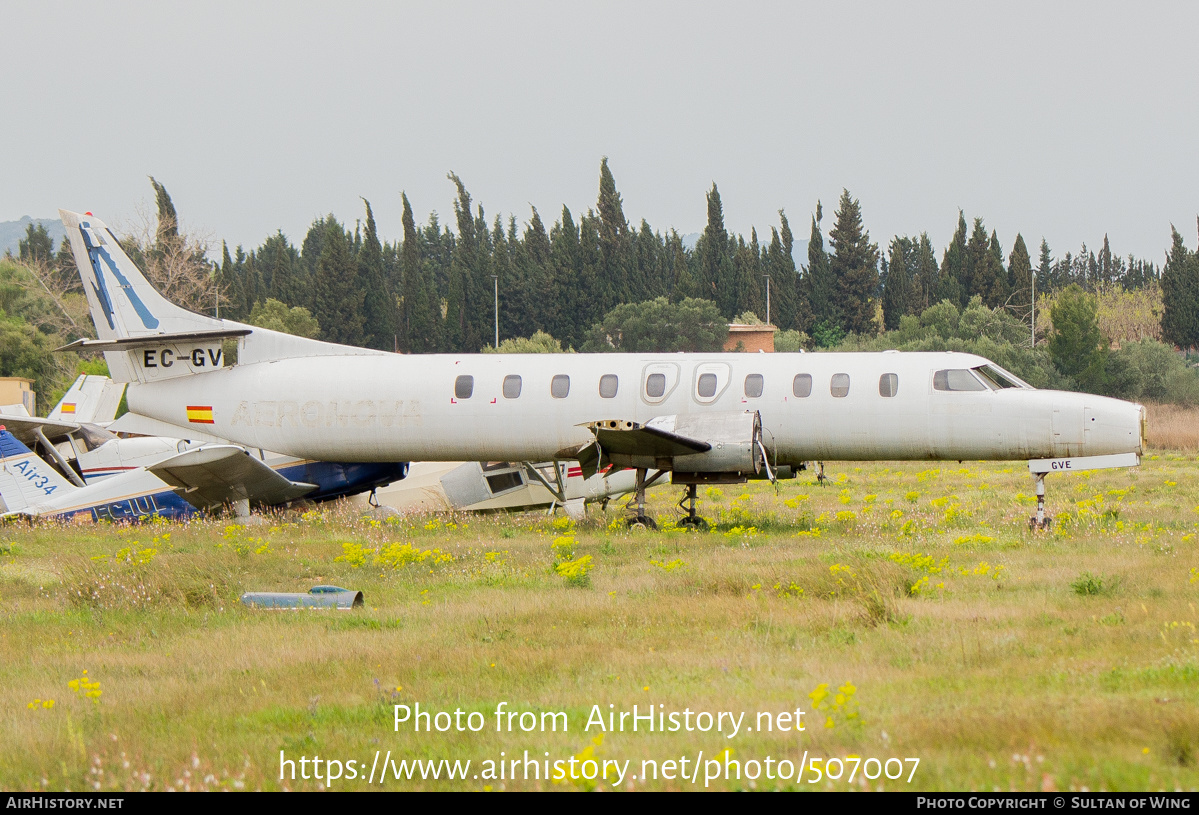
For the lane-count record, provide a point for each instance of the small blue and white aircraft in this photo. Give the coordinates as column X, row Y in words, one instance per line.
column 199, row 478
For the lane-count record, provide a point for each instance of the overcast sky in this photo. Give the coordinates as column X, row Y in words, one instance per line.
column 1062, row 120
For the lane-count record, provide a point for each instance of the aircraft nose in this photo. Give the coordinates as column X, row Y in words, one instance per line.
column 1114, row 426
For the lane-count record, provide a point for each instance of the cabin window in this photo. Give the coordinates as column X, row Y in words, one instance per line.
column 609, row 383
column 655, row 386
column 511, row 386
column 464, row 386
column 753, row 386
column 801, row 386
column 560, row 386
column 839, row 385
column 706, row 387
column 888, row 384
column 956, row 379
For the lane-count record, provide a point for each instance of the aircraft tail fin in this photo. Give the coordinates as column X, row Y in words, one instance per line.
column 90, row 399
column 25, row 479
column 147, row 338
column 122, row 301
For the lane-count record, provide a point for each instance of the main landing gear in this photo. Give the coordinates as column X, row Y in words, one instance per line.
column 1039, row 522
column 638, row 519
column 691, row 520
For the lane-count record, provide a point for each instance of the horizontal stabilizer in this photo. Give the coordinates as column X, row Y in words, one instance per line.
column 139, row 425
column 209, row 477
column 155, row 340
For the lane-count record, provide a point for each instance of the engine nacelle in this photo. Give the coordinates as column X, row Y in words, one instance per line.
column 735, row 438
column 711, row 447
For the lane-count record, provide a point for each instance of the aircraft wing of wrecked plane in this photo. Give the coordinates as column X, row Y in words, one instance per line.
column 26, row 428
column 198, row 479
column 221, row 474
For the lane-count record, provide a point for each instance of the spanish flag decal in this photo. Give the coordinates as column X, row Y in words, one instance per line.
column 199, row 414
column 68, row 407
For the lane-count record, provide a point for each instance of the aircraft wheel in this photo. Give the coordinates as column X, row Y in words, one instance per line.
column 642, row 522
column 697, row 523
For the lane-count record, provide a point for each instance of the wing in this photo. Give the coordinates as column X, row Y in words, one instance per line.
column 622, row 441
column 25, row 428
column 724, row 442
column 208, row 477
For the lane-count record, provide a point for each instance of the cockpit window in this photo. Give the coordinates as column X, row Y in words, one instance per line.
column 998, row 379
column 957, row 379
column 94, row 436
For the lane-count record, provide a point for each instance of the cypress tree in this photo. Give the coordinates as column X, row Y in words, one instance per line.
column 460, row 330
column 854, row 266
column 973, row 276
column 820, row 284
column 587, row 301
column 337, row 292
column 950, row 284
column 563, row 277
column 418, row 321
column 716, row 280
column 897, row 287
column 747, row 266
column 378, row 302
column 1045, row 281
column 229, row 283
column 682, row 285
column 1020, row 274
column 926, row 275
column 995, row 277
column 784, row 282
column 613, row 284
column 1180, row 295
column 277, row 262
column 1104, row 272
column 168, row 220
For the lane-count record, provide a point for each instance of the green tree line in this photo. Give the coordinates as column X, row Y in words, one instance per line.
column 578, row 281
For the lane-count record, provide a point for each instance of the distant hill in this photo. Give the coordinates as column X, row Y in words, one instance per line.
column 13, row 232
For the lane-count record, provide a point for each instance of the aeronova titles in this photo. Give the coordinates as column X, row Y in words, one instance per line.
column 331, row 413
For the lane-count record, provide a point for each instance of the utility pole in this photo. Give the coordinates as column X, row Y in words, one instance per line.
column 767, row 298
column 495, row 279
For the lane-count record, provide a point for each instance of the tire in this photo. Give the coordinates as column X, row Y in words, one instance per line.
column 643, row 522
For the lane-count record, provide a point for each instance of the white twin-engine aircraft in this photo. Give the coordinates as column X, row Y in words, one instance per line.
column 703, row 418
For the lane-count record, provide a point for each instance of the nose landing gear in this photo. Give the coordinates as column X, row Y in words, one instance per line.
column 1038, row 522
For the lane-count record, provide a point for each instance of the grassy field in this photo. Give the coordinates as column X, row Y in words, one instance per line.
column 905, row 608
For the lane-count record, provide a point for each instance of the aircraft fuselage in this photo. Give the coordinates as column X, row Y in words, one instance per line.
column 819, row 406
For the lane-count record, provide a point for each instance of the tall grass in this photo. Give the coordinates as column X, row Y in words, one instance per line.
column 999, row 657
column 1173, row 427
